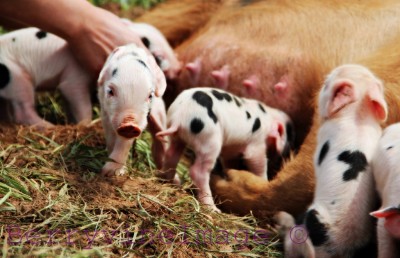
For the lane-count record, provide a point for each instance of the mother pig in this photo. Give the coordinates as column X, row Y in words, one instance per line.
column 279, row 52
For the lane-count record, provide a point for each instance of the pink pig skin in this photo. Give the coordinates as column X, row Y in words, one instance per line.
column 351, row 109
column 214, row 123
column 31, row 60
column 386, row 168
column 127, row 86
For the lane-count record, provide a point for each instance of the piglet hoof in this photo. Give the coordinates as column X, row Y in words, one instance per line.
column 168, row 177
column 85, row 122
column 113, row 169
column 213, row 208
column 42, row 125
column 177, row 180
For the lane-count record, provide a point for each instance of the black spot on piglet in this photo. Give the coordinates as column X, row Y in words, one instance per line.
column 143, row 63
column 323, row 152
column 196, row 125
column 227, row 97
column 248, row 115
column 262, row 108
column 145, row 41
column 357, row 162
column 221, row 95
column 237, row 102
column 317, row 231
column 256, row 125
column 114, row 72
column 206, row 101
column 41, row 34
column 4, row 76
column 217, row 94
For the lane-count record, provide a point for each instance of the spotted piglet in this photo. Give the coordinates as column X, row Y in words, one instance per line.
column 127, row 85
column 351, row 107
column 216, row 123
column 296, row 243
column 30, row 60
column 386, row 169
column 158, row 45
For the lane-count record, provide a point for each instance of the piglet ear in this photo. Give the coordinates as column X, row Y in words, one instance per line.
column 102, row 76
column 342, row 94
column 378, row 103
column 386, row 212
column 158, row 75
column 392, row 219
column 104, row 73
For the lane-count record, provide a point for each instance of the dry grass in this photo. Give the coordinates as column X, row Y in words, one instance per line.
column 53, row 202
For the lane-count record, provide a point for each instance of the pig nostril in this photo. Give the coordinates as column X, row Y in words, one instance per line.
column 129, row 131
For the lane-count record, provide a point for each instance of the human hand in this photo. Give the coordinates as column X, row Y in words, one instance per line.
column 94, row 40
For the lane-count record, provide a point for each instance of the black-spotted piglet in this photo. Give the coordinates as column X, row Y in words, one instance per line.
column 158, row 45
column 351, row 107
column 216, row 123
column 30, row 60
column 386, row 169
column 296, row 242
column 127, row 84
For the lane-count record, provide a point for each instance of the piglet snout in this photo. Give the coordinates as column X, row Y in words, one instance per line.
column 276, row 138
column 128, row 128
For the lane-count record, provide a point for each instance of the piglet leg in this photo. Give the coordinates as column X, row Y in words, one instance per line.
column 158, row 147
column 22, row 94
column 75, row 89
column 158, row 123
column 256, row 161
column 386, row 244
column 171, row 160
column 25, row 114
column 109, row 132
column 118, row 156
column 206, row 156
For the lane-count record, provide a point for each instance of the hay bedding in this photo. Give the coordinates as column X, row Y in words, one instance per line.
column 51, row 186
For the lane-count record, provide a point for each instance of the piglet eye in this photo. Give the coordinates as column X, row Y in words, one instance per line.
column 151, row 95
column 110, row 92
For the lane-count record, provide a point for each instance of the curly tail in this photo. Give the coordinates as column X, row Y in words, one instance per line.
column 169, row 131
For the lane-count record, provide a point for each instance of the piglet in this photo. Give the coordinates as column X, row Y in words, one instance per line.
column 351, row 108
column 296, row 242
column 157, row 123
column 158, row 45
column 127, row 85
column 31, row 60
column 216, row 123
column 386, row 169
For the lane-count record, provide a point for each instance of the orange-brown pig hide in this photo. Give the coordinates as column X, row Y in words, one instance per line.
column 279, row 52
